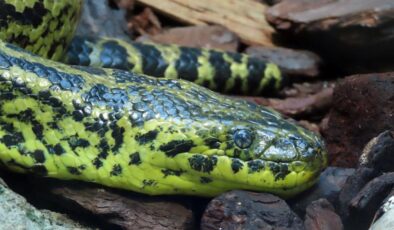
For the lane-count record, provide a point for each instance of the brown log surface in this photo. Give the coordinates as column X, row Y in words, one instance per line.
column 300, row 15
column 127, row 212
column 244, row 18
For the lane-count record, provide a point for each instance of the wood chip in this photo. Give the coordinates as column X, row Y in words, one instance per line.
column 245, row 18
column 210, row 37
column 145, row 23
column 297, row 107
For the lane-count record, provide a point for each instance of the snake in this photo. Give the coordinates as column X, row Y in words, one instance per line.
column 124, row 129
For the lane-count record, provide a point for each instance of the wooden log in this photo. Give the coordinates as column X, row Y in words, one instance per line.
column 126, row 212
column 354, row 35
column 245, row 18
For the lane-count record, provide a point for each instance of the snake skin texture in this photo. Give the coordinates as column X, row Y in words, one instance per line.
column 155, row 136
column 224, row 72
column 132, row 131
column 44, row 27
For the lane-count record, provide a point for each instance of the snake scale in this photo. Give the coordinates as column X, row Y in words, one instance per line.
column 131, row 131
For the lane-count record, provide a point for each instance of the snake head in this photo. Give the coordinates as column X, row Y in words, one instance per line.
column 234, row 144
column 271, row 155
column 283, row 160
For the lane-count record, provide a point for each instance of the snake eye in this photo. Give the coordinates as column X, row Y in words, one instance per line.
column 243, row 138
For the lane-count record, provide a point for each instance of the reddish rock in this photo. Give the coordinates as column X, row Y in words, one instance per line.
column 320, row 215
column 248, row 210
column 363, row 107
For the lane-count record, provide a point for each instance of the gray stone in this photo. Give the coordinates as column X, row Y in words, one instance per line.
column 99, row 20
column 16, row 213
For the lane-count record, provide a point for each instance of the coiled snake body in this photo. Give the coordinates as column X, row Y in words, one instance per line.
column 131, row 131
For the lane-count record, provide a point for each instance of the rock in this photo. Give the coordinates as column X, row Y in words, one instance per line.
column 368, row 200
column 320, row 215
column 124, row 210
column 291, row 62
column 343, row 31
column 354, row 183
column 16, row 213
column 248, row 210
column 328, row 187
column 379, row 153
column 376, row 158
column 211, row 37
column 384, row 217
column 364, row 205
column 99, row 20
column 364, row 107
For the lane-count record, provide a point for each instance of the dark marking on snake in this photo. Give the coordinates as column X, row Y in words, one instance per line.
column 203, row 163
column 170, row 172
column 146, row 137
column 172, row 148
column 236, row 165
column 116, row 170
column 205, row 180
column 135, row 159
column 255, row 166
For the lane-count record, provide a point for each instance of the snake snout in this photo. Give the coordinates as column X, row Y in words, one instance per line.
column 280, row 150
column 292, row 148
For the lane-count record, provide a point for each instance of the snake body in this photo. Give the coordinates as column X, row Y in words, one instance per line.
column 131, row 131
column 224, row 72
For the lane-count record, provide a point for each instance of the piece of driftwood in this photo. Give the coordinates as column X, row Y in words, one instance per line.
column 127, row 212
column 244, row 18
column 323, row 15
column 356, row 35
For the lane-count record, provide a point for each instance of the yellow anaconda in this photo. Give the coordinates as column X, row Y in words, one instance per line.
column 131, row 131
